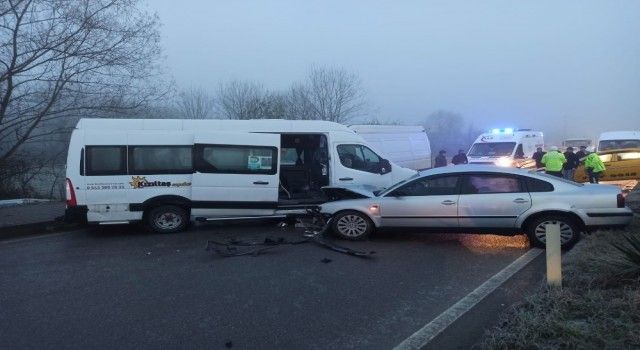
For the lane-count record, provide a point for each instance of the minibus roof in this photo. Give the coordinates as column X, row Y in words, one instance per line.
column 252, row 125
column 620, row 135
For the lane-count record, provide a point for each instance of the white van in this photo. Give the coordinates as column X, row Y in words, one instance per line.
column 618, row 140
column 505, row 147
column 405, row 145
column 166, row 171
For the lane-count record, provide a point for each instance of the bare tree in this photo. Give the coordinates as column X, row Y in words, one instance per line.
column 245, row 100
column 195, row 103
column 64, row 59
column 299, row 105
column 328, row 94
column 449, row 131
column 377, row 121
column 273, row 105
column 238, row 99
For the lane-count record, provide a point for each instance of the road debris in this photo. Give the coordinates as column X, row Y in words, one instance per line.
column 235, row 247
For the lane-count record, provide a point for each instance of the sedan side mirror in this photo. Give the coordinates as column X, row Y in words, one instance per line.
column 385, row 166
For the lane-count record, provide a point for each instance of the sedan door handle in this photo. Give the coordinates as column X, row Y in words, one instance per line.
column 520, row 200
column 448, row 202
column 345, row 179
column 260, row 183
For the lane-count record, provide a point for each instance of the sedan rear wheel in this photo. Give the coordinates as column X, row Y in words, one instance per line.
column 352, row 225
column 569, row 231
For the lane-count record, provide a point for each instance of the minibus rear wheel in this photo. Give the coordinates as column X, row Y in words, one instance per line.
column 167, row 219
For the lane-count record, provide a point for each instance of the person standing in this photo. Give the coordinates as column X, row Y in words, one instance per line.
column 553, row 162
column 441, row 159
column 460, row 158
column 537, row 156
column 581, row 153
column 595, row 167
column 569, row 168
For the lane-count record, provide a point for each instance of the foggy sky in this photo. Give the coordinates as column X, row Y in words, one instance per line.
column 568, row 68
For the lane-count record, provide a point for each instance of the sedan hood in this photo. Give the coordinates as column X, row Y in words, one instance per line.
column 350, row 192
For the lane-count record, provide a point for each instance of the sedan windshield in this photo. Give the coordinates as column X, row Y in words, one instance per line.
column 492, row 149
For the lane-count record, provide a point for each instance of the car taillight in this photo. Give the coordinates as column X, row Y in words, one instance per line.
column 71, row 194
column 620, row 200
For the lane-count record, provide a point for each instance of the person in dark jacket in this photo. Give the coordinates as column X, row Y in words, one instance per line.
column 441, row 159
column 582, row 153
column 460, row 158
column 569, row 168
column 537, row 156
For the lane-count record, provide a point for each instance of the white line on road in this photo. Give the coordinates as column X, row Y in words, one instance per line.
column 423, row 336
column 31, row 238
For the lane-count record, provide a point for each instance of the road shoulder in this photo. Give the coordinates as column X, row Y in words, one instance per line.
column 468, row 330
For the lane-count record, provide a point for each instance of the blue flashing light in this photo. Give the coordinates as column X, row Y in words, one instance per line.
column 502, row 131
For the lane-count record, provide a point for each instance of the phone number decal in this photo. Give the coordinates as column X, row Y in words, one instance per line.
column 105, row 186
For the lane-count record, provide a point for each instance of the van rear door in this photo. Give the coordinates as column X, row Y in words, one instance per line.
column 236, row 174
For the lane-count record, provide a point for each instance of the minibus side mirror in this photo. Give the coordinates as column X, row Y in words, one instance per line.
column 385, row 166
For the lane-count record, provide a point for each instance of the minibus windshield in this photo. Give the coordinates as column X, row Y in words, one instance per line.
column 618, row 144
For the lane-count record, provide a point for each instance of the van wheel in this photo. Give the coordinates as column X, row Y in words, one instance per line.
column 167, row 219
column 569, row 231
column 352, row 225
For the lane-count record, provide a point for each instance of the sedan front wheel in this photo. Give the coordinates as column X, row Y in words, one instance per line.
column 352, row 225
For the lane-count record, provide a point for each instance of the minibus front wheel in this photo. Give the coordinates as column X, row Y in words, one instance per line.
column 167, row 219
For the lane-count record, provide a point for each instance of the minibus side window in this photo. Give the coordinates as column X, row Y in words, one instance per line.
column 359, row 157
column 106, row 160
column 232, row 159
column 147, row 160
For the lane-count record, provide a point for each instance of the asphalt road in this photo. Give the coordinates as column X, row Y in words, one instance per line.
column 118, row 287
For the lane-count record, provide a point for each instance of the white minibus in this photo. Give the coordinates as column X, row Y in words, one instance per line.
column 166, row 172
column 611, row 140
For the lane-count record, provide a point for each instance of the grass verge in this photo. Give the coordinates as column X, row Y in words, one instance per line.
column 596, row 308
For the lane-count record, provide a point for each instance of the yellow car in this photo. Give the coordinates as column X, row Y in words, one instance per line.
column 622, row 165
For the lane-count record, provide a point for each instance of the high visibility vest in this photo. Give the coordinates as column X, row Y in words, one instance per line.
column 553, row 161
column 594, row 163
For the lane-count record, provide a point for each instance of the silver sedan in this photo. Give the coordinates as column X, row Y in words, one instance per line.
column 477, row 199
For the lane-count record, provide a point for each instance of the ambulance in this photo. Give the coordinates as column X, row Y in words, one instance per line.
column 506, row 147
